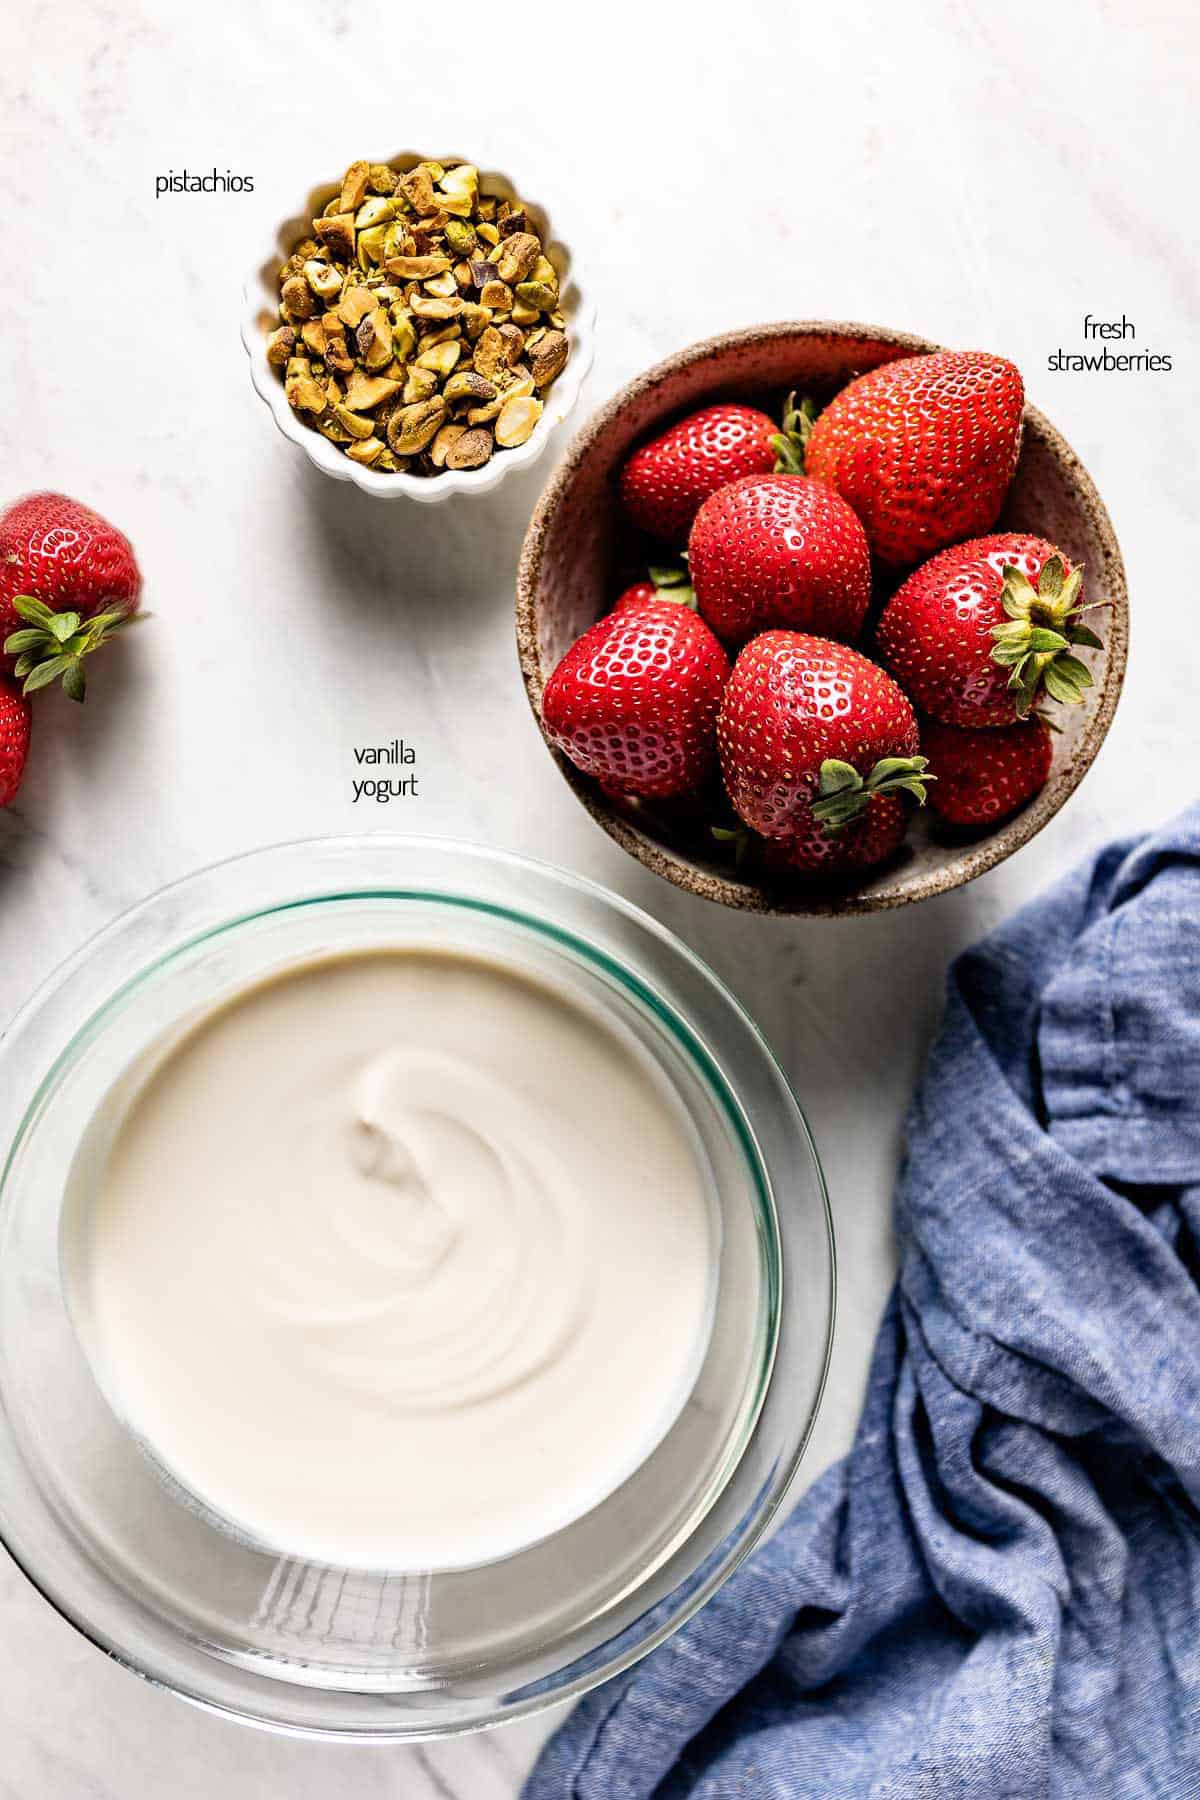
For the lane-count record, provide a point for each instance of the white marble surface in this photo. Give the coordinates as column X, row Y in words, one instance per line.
column 983, row 175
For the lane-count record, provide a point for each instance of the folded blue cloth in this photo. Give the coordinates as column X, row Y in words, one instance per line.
column 997, row 1593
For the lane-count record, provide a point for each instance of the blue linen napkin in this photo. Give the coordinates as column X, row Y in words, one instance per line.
column 996, row 1596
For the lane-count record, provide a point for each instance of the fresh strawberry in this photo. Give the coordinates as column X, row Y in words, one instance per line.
column 982, row 776
column 811, row 736
column 60, row 561
column 634, row 702
column 923, row 449
column 977, row 633
column 665, row 482
column 775, row 551
column 14, row 739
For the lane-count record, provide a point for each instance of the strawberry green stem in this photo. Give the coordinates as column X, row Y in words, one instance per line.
column 674, row 584
column 1036, row 638
column 52, row 645
column 791, row 443
column 844, row 794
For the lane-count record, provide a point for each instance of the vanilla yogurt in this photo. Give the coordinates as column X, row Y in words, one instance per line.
column 400, row 1260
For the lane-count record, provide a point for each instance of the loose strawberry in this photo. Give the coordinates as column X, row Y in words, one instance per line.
column 665, row 482
column 68, row 582
column 775, row 551
column 812, row 735
column 983, row 776
column 14, row 739
column 978, row 632
column 923, row 449
column 634, row 702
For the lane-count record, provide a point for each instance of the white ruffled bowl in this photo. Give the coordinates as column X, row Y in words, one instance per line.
column 261, row 315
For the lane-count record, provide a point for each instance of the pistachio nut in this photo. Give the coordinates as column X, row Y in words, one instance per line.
column 471, row 450
column 336, row 232
column 516, row 421
column 446, row 438
column 351, row 422
column 491, row 354
column 303, row 391
column 468, row 384
column 420, row 384
column 442, row 358
column 547, row 357
column 280, row 345
column 366, row 450
column 365, row 392
column 322, row 278
column 354, row 186
column 413, row 427
column 296, row 300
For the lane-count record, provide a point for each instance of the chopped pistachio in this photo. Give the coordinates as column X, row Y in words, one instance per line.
column 417, row 188
column 366, row 450
column 372, row 246
column 336, row 232
column 442, row 358
column 355, row 304
column 547, row 357
column 296, row 300
column 354, row 186
column 514, row 343
column 375, row 211
column 413, row 427
column 417, row 268
column 322, row 278
column 496, row 295
column 303, row 391
column 313, row 333
column 515, row 257
column 537, row 295
column 443, row 442
column 443, row 287
column 420, row 384
column 364, row 392
column 356, row 426
column 491, row 355
column 460, row 236
column 421, row 320
column 471, row 450
column 280, row 345
column 374, row 339
column 429, row 306
column 468, row 384
column 516, row 421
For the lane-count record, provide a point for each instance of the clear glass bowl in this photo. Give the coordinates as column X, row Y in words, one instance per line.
column 165, row 1587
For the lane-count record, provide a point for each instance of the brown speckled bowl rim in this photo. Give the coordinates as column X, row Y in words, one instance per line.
column 975, row 858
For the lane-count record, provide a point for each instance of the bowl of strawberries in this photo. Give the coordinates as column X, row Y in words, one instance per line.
column 822, row 618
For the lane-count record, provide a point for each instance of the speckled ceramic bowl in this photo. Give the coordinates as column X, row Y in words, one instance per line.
column 576, row 546
column 261, row 314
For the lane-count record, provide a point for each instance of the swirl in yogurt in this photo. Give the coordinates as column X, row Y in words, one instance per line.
column 398, row 1260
